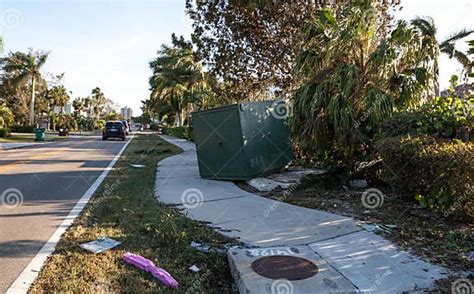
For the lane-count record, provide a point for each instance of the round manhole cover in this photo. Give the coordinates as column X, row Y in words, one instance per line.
column 284, row 267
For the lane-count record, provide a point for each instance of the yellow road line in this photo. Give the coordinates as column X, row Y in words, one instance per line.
column 42, row 155
column 30, row 159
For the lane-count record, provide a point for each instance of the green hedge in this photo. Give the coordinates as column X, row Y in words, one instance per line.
column 435, row 172
column 182, row 132
column 444, row 117
column 4, row 133
column 154, row 127
column 23, row 129
column 401, row 124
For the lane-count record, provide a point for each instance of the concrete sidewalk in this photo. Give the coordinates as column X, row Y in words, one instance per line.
column 349, row 259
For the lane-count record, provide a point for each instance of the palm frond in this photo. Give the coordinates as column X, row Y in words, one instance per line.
column 461, row 34
column 464, row 60
column 425, row 25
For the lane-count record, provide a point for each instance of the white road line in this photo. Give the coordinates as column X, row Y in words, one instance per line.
column 29, row 274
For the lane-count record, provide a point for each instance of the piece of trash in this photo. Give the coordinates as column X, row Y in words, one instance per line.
column 294, row 175
column 100, row 245
column 358, row 183
column 390, row 226
column 267, row 185
column 232, row 247
column 470, row 256
column 137, row 165
column 387, row 229
column 369, row 227
column 148, row 266
column 205, row 248
column 194, row 268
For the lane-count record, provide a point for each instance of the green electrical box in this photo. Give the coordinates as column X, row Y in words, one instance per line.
column 242, row 141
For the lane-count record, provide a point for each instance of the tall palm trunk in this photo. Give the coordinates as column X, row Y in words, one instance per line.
column 436, row 73
column 178, row 121
column 32, row 103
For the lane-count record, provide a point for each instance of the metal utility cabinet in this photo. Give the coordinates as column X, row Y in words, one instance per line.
column 241, row 141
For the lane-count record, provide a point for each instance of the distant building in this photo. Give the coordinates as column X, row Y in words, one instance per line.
column 68, row 109
column 460, row 90
column 126, row 112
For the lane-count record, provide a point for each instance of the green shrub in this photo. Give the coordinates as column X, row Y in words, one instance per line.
column 4, row 133
column 23, row 129
column 99, row 124
column 66, row 122
column 182, row 132
column 444, row 117
column 401, row 124
column 449, row 117
column 435, row 172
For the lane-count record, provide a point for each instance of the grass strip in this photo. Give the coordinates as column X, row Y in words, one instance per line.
column 29, row 138
column 124, row 208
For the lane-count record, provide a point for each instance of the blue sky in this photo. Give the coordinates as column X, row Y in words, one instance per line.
column 97, row 43
column 109, row 43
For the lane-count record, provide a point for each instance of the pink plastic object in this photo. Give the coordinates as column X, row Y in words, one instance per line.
column 148, row 266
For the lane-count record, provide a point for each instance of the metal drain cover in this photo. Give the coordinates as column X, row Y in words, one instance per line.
column 284, row 267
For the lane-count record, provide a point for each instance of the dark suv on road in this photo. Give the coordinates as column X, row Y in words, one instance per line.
column 114, row 129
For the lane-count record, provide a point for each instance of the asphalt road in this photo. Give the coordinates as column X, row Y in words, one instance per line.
column 49, row 180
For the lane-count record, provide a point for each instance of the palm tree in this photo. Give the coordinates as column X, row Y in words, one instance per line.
column 58, row 96
column 177, row 78
column 27, row 70
column 6, row 116
column 353, row 78
column 88, row 106
column 78, row 105
column 97, row 101
column 470, row 52
column 447, row 46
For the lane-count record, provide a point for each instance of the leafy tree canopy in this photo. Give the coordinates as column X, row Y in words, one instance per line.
column 178, row 82
column 252, row 45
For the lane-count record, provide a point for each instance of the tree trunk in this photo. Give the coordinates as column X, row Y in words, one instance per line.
column 178, row 118
column 32, row 103
column 436, row 77
column 184, row 115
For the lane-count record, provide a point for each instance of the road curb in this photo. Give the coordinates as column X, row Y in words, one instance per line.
column 21, row 145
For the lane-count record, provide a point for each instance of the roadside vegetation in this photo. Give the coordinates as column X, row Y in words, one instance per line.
column 26, row 137
column 372, row 113
column 363, row 90
column 124, row 208
column 30, row 98
column 365, row 104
